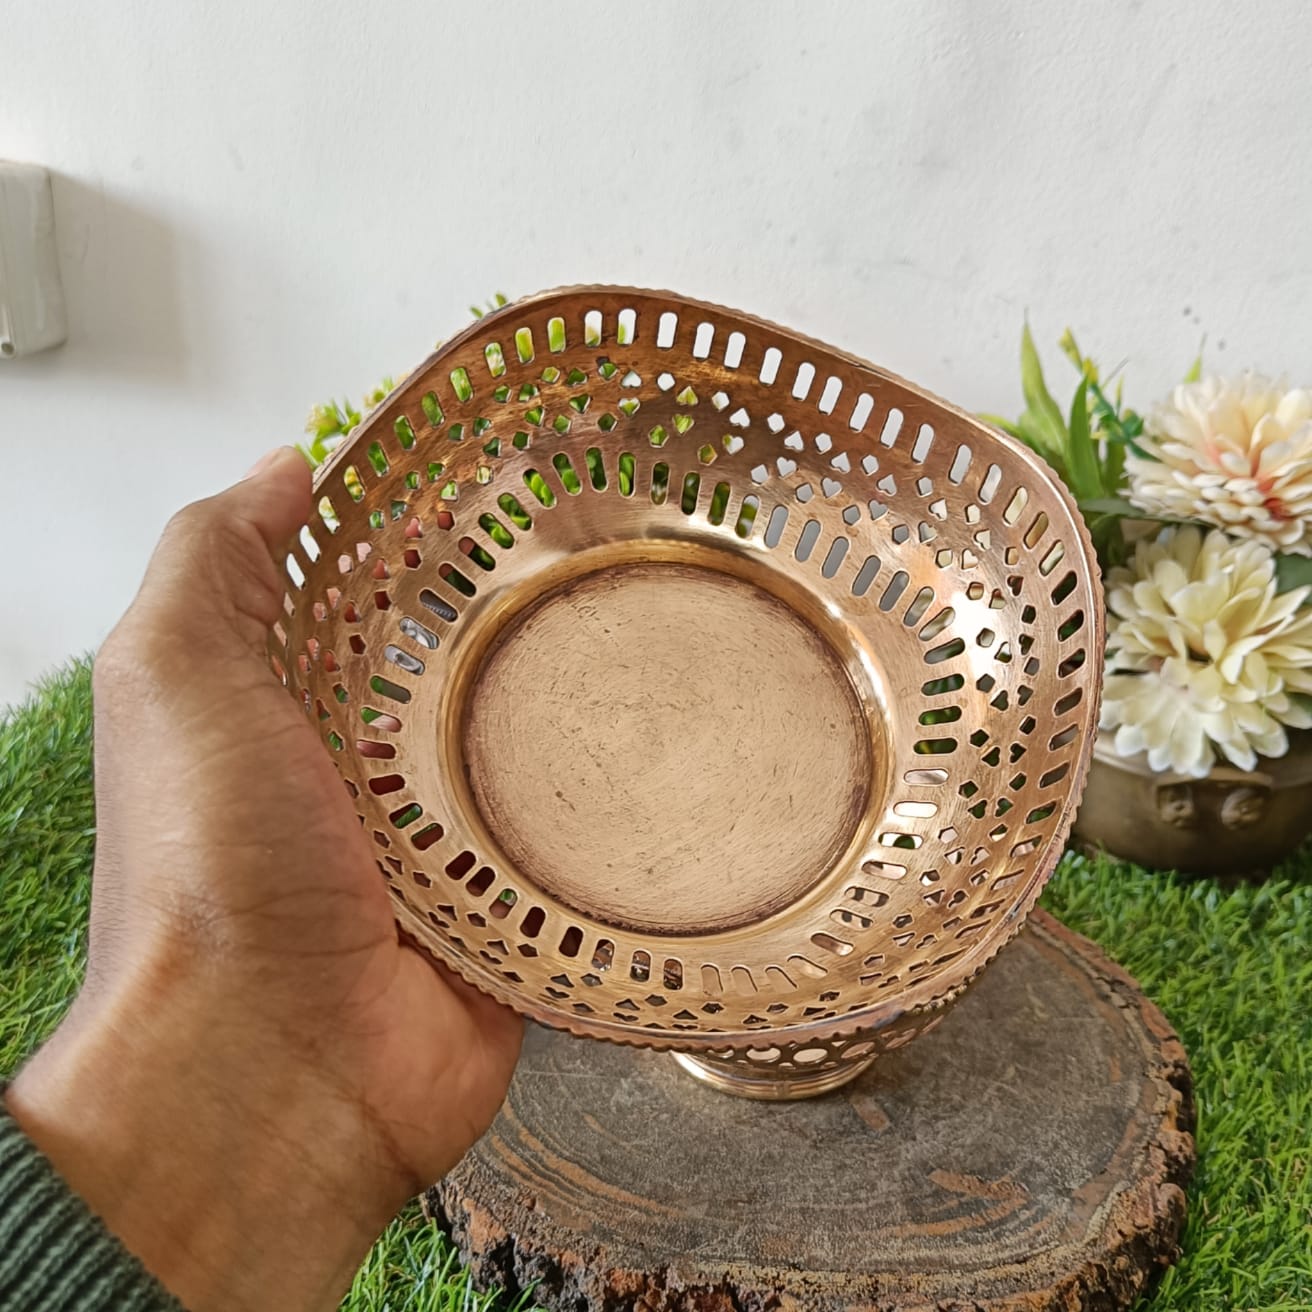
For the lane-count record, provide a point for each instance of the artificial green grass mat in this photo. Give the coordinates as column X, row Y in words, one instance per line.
column 1231, row 968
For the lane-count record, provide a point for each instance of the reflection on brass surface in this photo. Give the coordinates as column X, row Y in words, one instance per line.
column 700, row 686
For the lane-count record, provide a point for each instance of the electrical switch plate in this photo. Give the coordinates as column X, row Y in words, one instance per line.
column 32, row 314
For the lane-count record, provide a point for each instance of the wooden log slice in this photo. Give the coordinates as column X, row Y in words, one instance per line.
column 1029, row 1154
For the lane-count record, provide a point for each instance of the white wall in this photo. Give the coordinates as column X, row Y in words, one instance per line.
column 261, row 204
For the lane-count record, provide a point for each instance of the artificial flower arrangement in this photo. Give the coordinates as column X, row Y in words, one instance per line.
column 1200, row 510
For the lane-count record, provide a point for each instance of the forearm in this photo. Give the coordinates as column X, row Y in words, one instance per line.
column 54, row 1251
column 233, row 1197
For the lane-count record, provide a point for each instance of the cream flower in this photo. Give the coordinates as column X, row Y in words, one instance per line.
column 1235, row 454
column 1203, row 655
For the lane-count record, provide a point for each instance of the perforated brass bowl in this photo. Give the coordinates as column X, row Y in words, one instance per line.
column 701, row 687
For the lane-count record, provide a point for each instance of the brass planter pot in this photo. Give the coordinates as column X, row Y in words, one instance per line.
column 1233, row 822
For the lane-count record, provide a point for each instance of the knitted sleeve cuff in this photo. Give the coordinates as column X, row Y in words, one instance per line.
column 55, row 1253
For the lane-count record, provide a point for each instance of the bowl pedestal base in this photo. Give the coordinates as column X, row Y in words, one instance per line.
column 729, row 1078
column 1028, row 1154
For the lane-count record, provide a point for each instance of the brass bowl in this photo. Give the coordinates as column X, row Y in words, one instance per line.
column 1231, row 823
column 702, row 687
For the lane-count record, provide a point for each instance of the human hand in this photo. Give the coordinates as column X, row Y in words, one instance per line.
column 256, row 1074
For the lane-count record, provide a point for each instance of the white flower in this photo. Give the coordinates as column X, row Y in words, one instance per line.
column 1203, row 655
column 1235, row 454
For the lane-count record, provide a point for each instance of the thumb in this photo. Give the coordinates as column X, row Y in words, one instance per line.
column 213, row 583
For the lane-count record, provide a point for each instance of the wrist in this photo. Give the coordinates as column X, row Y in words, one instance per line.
column 238, row 1183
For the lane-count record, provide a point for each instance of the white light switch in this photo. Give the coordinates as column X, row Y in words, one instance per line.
column 31, row 295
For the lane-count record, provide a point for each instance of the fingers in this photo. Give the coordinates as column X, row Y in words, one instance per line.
column 473, row 999
column 213, row 585
column 274, row 495
column 494, row 1021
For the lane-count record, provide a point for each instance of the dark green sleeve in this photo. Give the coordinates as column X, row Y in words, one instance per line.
column 55, row 1253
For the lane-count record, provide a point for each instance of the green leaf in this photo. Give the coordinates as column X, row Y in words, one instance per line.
column 1106, row 411
column 1120, row 508
column 1037, row 440
column 1108, row 539
column 1111, row 506
column 1085, row 475
column 1072, row 350
column 1293, row 572
column 1196, row 369
column 1115, row 433
column 1012, row 430
column 1070, row 347
column 495, row 303
column 1116, row 426
column 1045, row 415
column 1113, row 466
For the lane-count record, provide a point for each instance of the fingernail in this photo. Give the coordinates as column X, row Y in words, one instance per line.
column 265, row 461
